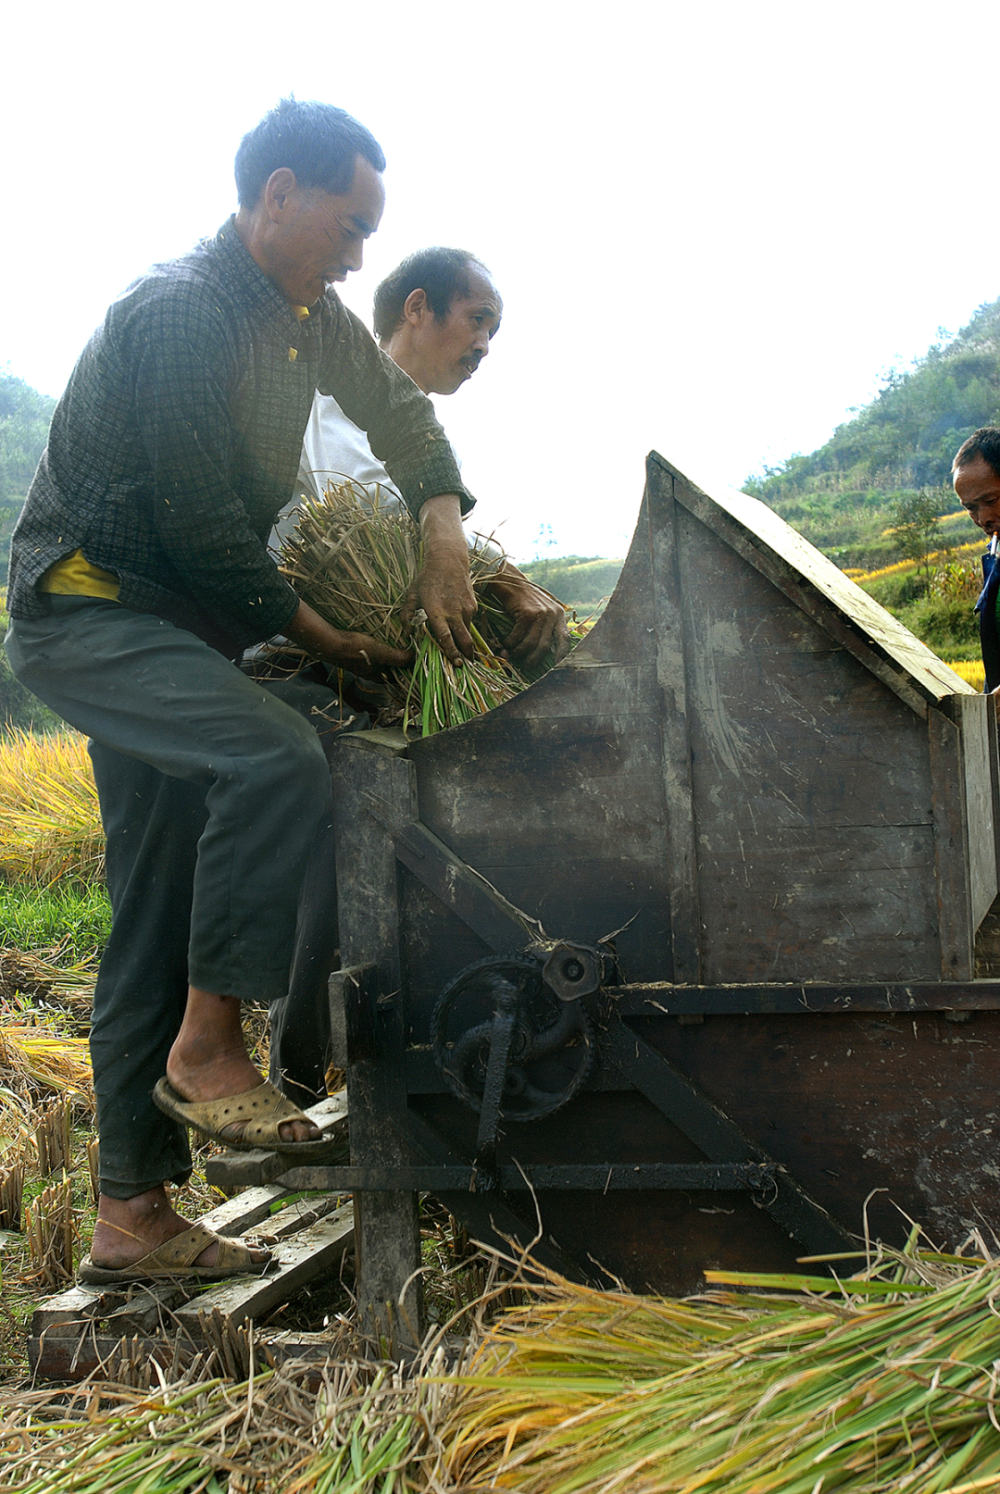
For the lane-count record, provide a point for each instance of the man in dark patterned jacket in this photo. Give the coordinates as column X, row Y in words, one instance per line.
column 139, row 572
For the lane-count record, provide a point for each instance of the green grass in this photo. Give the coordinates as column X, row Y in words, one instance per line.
column 38, row 917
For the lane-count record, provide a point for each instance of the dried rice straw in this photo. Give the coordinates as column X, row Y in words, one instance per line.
column 354, row 559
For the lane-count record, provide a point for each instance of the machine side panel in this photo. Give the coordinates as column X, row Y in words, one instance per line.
column 812, row 790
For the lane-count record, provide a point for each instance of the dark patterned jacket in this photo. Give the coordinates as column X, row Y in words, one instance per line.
column 178, row 438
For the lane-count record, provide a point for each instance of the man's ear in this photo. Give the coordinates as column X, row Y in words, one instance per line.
column 415, row 307
column 278, row 190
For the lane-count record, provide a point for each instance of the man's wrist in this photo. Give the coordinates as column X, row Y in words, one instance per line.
column 441, row 526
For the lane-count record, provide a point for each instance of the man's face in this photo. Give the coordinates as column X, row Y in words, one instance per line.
column 321, row 235
column 978, row 487
column 450, row 347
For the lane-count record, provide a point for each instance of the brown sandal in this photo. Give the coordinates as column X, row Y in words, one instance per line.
column 175, row 1258
column 260, row 1111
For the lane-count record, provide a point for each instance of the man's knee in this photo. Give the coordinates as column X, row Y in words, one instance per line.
column 288, row 759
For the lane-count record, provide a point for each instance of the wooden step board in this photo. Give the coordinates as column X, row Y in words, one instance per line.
column 93, row 1330
column 230, row 1171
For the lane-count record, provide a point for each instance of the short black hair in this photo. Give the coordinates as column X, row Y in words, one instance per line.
column 442, row 274
column 983, row 443
column 319, row 142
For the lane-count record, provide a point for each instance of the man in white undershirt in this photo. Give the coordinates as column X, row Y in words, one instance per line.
column 435, row 317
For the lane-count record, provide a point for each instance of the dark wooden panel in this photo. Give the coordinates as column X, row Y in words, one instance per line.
column 673, row 668
column 801, row 905
column 957, row 933
column 529, row 803
column 909, row 1105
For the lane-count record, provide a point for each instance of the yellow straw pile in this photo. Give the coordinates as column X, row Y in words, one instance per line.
column 50, row 824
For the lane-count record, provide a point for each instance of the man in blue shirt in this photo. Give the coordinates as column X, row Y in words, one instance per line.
column 976, row 477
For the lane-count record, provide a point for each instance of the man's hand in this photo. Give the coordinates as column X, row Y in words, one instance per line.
column 539, row 620
column 443, row 588
column 354, row 651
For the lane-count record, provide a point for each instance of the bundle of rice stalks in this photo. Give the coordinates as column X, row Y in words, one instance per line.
column 888, row 1384
column 364, row 1432
column 35, row 1058
column 354, row 560
column 49, row 814
column 52, row 1138
column 11, row 1196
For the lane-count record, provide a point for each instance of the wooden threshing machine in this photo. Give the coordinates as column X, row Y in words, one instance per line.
column 681, row 959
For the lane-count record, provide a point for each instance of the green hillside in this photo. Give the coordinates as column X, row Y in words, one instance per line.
column 843, row 496
column 582, row 582
column 878, row 493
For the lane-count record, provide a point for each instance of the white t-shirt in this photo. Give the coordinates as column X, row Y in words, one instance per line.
column 333, row 447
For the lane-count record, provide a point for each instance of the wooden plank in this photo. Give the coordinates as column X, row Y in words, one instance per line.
column 256, row 1169
column 972, row 717
column 300, row 1259
column 791, row 999
column 75, row 1306
column 65, row 1359
column 65, row 1313
column 993, row 739
column 951, row 863
column 73, row 1312
column 680, row 853
column 608, row 1176
column 297, row 1216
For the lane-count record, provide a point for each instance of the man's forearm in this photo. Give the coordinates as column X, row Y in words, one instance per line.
column 354, row 651
column 441, row 524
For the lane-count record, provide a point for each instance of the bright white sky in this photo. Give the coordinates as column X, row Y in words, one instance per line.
column 713, row 225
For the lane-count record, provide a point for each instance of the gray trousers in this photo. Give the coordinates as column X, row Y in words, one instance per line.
column 208, row 782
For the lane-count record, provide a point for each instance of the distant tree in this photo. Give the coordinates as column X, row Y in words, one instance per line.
column 914, row 518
